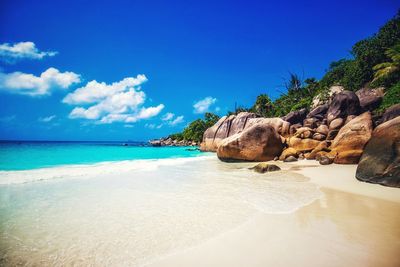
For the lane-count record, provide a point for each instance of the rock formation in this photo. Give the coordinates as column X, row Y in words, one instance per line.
column 264, row 167
column 259, row 142
column 380, row 161
column 343, row 104
column 370, row 98
column 351, row 139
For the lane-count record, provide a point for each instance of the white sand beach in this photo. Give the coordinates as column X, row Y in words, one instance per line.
column 197, row 212
column 352, row 224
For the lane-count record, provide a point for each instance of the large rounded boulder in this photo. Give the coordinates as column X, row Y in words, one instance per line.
column 259, row 142
column 343, row 104
column 349, row 143
column 224, row 128
column 380, row 161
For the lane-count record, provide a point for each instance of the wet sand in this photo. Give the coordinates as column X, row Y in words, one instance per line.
column 352, row 224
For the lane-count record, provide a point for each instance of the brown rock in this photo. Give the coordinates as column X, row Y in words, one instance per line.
column 391, row 113
column 259, row 142
column 302, row 145
column 264, row 167
column 304, row 132
column 281, row 126
column 332, row 92
column 324, row 160
column 290, row 159
column 293, row 128
column 380, row 161
column 370, row 98
column 210, row 142
column 343, row 104
column 318, row 112
column 349, row 118
column 332, row 134
column 351, row 139
column 336, row 124
column 224, row 128
column 290, row 151
column 310, row 123
column 323, row 146
column 297, row 116
column 322, row 129
column 319, row 137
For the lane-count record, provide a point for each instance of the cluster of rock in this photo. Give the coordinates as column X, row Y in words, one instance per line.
column 168, row 141
column 337, row 130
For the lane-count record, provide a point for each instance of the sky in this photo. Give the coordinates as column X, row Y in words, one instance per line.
column 137, row 70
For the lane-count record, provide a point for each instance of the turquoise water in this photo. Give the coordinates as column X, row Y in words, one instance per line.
column 34, row 155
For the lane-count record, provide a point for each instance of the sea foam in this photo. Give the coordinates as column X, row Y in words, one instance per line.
column 84, row 171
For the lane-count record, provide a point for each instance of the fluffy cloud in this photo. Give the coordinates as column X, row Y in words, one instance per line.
column 94, row 91
column 47, row 119
column 118, row 102
column 23, row 50
column 203, row 105
column 29, row 84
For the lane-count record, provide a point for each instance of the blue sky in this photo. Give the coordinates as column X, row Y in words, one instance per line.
column 135, row 70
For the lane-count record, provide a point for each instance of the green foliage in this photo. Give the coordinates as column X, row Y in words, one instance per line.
column 194, row 131
column 391, row 97
column 263, row 106
column 375, row 61
column 176, row 136
column 387, row 72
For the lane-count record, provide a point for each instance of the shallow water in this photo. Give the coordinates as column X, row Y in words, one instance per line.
column 132, row 215
column 28, row 155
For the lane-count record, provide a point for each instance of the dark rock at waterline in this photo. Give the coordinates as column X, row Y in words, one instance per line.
column 380, row 161
column 290, row 159
column 343, row 104
column 264, row 167
column 155, row 143
column 296, row 116
column 324, row 160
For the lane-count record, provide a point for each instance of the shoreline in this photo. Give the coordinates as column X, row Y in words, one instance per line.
column 225, row 213
column 92, row 169
column 266, row 238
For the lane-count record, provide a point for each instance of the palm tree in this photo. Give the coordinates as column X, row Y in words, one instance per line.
column 388, row 68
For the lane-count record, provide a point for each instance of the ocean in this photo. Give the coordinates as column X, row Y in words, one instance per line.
column 26, row 155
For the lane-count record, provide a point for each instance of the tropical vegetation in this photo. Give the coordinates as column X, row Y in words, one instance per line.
column 374, row 62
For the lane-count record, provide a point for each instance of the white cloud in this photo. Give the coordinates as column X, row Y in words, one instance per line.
column 167, row 116
column 203, row 105
column 29, row 84
column 47, row 119
column 121, row 101
column 94, row 91
column 23, row 50
column 117, row 102
column 176, row 121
